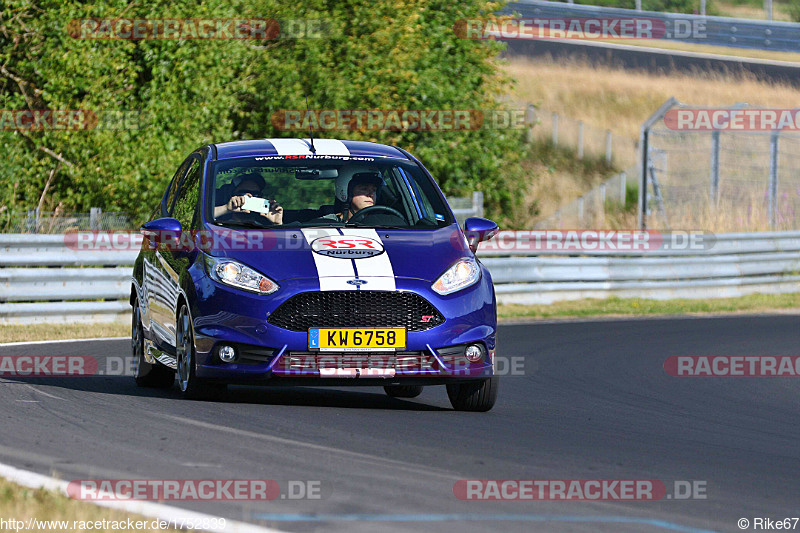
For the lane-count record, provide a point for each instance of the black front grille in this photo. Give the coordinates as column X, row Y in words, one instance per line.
column 343, row 309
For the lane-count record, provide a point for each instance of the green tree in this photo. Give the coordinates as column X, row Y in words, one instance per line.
column 184, row 93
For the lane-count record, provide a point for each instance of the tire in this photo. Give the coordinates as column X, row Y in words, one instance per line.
column 475, row 396
column 146, row 374
column 403, row 391
column 192, row 387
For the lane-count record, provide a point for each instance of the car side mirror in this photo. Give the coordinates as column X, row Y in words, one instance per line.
column 477, row 230
column 162, row 231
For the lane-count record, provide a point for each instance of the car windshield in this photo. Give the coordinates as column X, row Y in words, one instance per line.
column 285, row 191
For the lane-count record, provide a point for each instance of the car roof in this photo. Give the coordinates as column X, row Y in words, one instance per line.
column 295, row 147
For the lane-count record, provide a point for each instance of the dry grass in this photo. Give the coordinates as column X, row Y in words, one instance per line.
column 20, row 503
column 557, row 177
column 753, row 303
column 43, row 332
column 620, row 100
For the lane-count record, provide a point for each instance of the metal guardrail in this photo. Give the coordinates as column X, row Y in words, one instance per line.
column 717, row 31
column 42, row 279
column 78, row 286
column 735, row 264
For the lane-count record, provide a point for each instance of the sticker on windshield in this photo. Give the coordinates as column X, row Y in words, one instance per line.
column 437, row 216
column 325, row 157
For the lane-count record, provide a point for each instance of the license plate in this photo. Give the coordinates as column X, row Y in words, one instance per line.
column 333, row 339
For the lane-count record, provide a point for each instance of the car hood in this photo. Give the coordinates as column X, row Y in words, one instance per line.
column 284, row 254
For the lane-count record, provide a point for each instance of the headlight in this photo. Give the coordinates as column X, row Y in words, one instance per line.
column 235, row 274
column 461, row 275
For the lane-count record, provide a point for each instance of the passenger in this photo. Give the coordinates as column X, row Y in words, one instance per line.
column 247, row 185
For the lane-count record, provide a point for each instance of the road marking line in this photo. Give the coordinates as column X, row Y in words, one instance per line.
column 468, row 517
column 25, row 343
column 146, row 509
column 31, row 387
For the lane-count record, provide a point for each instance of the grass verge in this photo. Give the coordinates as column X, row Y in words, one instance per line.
column 45, row 332
column 21, row 504
column 753, row 303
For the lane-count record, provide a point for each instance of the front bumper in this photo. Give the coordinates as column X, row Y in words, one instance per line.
column 280, row 356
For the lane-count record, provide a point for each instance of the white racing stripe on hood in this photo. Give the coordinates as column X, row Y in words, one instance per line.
column 333, row 272
column 300, row 147
column 377, row 270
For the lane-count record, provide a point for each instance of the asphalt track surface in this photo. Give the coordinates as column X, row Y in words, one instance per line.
column 594, row 403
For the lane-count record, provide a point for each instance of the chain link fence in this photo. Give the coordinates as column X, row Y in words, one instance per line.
column 720, row 179
column 45, row 222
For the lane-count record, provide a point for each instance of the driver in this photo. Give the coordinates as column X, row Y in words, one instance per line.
column 357, row 191
column 249, row 184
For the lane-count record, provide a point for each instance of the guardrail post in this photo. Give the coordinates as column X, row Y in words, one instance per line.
column 477, row 203
column 603, row 202
column 608, row 147
column 638, row 5
column 580, row 139
column 714, row 186
column 580, row 211
column 529, row 118
column 94, row 218
column 772, row 209
column 555, row 129
column 32, row 221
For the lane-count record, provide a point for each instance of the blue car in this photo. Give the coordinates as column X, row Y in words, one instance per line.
column 312, row 262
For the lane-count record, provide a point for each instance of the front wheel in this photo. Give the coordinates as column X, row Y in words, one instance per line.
column 477, row 396
column 146, row 374
column 192, row 387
